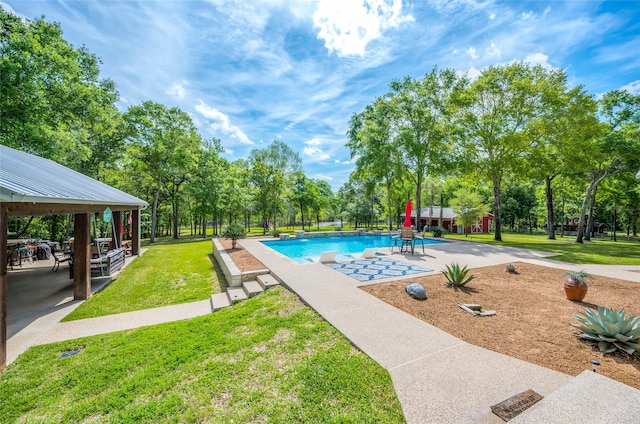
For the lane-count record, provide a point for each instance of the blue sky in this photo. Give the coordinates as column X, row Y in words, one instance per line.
column 292, row 70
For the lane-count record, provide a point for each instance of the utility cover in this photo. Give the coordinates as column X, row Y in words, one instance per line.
column 68, row 353
column 515, row 405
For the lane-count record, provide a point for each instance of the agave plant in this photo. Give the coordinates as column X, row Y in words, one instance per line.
column 610, row 330
column 457, row 276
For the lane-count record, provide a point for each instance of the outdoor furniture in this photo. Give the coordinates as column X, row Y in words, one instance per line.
column 419, row 238
column 108, row 264
column 395, row 241
column 329, row 256
column 369, row 253
column 61, row 259
column 407, row 238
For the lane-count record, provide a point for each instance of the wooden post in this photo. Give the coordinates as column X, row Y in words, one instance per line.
column 135, row 231
column 81, row 256
column 116, row 240
column 3, row 288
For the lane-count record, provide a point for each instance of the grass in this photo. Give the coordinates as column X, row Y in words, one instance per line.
column 170, row 272
column 268, row 359
column 598, row 251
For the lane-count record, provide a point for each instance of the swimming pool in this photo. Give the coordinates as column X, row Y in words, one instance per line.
column 309, row 249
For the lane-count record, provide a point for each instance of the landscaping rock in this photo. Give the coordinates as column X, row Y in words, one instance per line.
column 416, row 291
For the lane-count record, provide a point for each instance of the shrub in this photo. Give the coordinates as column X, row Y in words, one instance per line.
column 276, row 233
column 610, row 330
column 234, row 232
column 437, row 231
column 511, row 269
column 457, row 276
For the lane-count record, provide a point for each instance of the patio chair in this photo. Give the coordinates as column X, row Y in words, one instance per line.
column 329, row 256
column 419, row 238
column 395, row 241
column 407, row 238
column 369, row 253
column 58, row 260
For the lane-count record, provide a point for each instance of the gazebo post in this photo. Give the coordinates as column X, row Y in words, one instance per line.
column 135, row 231
column 81, row 256
column 116, row 240
column 3, row 288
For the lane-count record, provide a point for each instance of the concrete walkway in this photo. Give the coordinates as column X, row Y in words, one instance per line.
column 437, row 377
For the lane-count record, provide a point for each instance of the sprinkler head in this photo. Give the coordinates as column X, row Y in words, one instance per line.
column 594, row 365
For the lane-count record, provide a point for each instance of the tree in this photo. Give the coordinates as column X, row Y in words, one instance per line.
column 469, row 208
column 495, row 123
column 281, row 163
column 163, row 144
column 421, row 112
column 616, row 151
column 559, row 136
column 52, row 101
column 371, row 141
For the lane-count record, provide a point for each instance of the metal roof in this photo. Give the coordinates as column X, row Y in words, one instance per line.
column 447, row 213
column 25, row 178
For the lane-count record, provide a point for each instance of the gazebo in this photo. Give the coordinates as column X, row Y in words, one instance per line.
column 33, row 186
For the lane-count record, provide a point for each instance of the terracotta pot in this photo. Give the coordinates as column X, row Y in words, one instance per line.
column 575, row 291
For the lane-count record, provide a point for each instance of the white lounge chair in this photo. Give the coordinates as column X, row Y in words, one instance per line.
column 369, row 253
column 329, row 256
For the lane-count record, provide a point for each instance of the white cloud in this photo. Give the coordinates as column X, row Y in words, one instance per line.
column 311, row 149
column 323, row 177
column 229, row 152
column 472, row 52
column 538, row 59
column 177, row 90
column 493, row 52
column 220, row 122
column 347, row 26
column 633, row 87
column 492, row 16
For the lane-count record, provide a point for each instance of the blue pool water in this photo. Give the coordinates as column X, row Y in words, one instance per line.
column 309, row 250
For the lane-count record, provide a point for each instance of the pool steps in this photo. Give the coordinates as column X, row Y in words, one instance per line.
column 246, row 291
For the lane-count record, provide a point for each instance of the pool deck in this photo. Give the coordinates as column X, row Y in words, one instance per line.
column 438, row 377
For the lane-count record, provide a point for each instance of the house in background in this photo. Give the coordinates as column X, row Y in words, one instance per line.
column 448, row 220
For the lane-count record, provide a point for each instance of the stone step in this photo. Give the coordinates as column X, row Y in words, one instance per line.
column 590, row 397
column 251, row 288
column 219, row 301
column 236, row 294
column 267, row 280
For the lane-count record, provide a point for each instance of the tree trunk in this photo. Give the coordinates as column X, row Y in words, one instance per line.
column 418, row 201
column 441, row 218
column 154, row 211
column 551, row 232
column 615, row 222
column 389, row 202
column 583, row 211
column 175, row 218
column 497, row 219
column 591, row 218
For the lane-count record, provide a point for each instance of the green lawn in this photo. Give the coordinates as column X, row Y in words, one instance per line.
column 170, row 272
column 268, row 359
column 597, row 251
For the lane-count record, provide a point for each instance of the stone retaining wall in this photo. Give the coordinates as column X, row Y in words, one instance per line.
column 231, row 272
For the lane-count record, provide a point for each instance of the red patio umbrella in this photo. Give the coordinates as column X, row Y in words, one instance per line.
column 407, row 212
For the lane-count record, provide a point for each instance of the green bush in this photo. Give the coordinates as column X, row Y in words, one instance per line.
column 457, row 276
column 234, row 232
column 610, row 330
column 437, row 231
